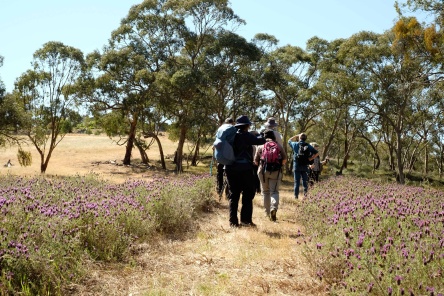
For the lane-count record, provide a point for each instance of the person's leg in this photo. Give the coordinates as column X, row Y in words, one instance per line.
column 257, row 180
column 297, row 183
column 248, row 192
column 304, row 176
column 274, row 183
column 234, row 183
column 265, row 189
column 220, row 178
column 316, row 175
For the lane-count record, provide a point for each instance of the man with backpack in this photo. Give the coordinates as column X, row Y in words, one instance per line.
column 270, row 157
column 303, row 153
column 228, row 123
column 241, row 175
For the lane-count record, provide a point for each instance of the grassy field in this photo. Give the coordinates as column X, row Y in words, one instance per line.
column 83, row 154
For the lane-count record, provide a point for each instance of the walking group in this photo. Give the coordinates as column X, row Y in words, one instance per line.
column 253, row 162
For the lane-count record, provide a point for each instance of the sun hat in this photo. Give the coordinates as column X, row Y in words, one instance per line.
column 271, row 122
column 242, row 120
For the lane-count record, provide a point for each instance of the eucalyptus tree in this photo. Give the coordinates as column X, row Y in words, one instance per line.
column 395, row 73
column 47, row 96
column 228, row 85
column 7, row 115
column 286, row 73
column 123, row 76
column 437, row 144
column 335, row 94
column 182, row 82
column 230, row 72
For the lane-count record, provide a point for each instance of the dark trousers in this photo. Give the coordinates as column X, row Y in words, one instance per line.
column 297, row 182
column 258, row 182
column 241, row 182
column 315, row 175
column 220, row 177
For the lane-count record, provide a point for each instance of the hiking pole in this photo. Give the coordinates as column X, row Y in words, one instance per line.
column 211, row 166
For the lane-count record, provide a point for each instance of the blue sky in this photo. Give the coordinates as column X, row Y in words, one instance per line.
column 25, row 25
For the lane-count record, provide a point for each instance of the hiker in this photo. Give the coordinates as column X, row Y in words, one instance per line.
column 255, row 165
column 240, row 174
column 303, row 153
column 270, row 161
column 317, row 165
column 220, row 166
column 272, row 124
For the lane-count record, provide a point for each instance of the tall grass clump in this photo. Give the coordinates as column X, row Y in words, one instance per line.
column 369, row 238
column 49, row 227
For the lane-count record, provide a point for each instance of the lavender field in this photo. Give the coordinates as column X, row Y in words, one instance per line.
column 368, row 238
column 52, row 228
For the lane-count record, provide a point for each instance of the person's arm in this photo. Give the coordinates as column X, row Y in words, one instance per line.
column 314, row 153
column 257, row 155
column 256, row 140
column 293, row 139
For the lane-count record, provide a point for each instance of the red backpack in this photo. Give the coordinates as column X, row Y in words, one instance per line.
column 271, row 158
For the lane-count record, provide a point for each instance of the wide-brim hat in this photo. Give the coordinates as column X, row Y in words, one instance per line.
column 242, row 120
column 271, row 122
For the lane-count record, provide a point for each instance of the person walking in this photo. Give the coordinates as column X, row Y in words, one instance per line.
column 270, row 172
column 241, row 175
column 303, row 153
column 316, row 167
column 272, row 124
column 220, row 167
column 255, row 165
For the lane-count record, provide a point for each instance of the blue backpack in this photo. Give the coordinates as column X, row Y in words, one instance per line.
column 223, row 149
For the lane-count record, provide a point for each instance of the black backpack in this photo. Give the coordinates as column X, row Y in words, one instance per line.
column 303, row 154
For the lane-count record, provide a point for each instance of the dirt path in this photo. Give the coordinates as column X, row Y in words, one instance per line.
column 218, row 260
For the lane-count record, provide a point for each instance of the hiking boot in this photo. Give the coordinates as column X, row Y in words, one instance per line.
column 248, row 224
column 273, row 215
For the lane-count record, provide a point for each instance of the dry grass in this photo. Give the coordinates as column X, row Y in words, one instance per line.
column 216, row 260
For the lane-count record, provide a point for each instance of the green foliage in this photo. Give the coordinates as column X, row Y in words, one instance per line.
column 175, row 211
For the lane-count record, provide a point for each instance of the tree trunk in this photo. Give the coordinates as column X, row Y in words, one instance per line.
column 376, row 158
column 179, row 156
column 143, row 155
column 130, row 142
column 399, row 159
column 159, row 144
column 196, row 153
column 426, row 160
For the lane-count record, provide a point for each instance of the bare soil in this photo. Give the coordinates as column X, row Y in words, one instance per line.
column 215, row 260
